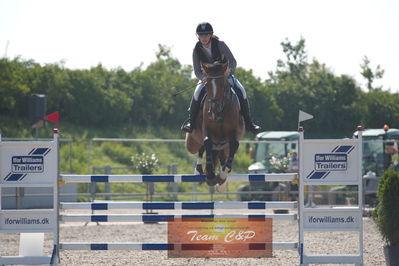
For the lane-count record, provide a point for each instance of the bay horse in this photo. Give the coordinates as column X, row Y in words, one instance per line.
column 218, row 127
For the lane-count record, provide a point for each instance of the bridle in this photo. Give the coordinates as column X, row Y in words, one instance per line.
column 216, row 105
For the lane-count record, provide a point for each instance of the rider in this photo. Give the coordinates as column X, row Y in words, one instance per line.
column 209, row 49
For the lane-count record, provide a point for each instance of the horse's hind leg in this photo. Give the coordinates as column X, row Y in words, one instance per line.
column 198, row 168
column 228, row 164
column 233, row 149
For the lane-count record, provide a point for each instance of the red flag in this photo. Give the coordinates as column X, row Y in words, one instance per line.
column 53, row 117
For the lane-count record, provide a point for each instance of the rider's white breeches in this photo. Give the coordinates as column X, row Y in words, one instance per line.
column 233, row 82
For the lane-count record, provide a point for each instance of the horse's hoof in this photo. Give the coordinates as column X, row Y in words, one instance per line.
column 211, row 182
column 211, row 179
column 198, row 170
column 226, row 169
column 223, row 175
column 221, row 183
column 221, row 180
column 210, row 176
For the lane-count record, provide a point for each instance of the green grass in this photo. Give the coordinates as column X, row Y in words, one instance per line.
column 74, row 158
column 164, row 187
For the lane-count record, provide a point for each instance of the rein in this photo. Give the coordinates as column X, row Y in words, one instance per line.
column 183, row 90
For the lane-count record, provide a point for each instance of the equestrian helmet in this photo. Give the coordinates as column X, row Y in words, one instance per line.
column 204, row 28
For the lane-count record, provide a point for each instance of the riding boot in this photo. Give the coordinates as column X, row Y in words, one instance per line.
column 249, row 124
column 189, row 125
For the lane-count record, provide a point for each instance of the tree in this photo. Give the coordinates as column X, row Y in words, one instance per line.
column 371, row 75
column 312, row 87
column 381, row 108
column 14, row 91
column 296, row 58
column 147, row 96
column 263, row 102
column 155, row 104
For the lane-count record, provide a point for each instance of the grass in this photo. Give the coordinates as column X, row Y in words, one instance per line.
column 165, row 187
column 75, row 156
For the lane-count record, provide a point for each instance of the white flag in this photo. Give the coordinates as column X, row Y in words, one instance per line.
column 304, row 116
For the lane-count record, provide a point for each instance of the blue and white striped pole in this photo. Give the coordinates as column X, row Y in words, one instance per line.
column 66, row 178
column 149, row 218
column 219, row 205
column 147, row 246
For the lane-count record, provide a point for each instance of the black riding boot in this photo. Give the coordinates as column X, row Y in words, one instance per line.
column 249, row 124
column 189, row 124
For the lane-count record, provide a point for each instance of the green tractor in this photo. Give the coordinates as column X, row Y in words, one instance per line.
column 380, row 151
column 275, row 152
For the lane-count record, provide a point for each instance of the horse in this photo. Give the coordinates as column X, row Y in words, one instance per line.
column 219, row 126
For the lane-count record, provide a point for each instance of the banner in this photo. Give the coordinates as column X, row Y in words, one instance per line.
column 220, row 238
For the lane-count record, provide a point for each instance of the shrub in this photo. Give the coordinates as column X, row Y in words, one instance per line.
column 387, row 211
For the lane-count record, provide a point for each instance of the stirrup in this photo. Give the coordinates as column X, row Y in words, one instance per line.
column 187, row 126
column 254, row 128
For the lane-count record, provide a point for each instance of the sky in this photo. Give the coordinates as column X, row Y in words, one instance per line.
column 116, row 33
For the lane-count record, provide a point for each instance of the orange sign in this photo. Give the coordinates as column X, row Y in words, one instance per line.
column 220, row 238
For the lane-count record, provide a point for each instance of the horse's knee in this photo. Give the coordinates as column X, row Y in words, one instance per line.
column 235, row 143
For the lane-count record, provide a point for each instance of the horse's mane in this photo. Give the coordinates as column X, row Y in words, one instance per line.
column 216, row 67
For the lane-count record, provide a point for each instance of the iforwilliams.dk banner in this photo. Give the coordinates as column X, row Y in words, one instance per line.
column 36, row 220
column 220, row 238
column 333, row 219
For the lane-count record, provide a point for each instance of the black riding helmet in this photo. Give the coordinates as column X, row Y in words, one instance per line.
column 204, row 28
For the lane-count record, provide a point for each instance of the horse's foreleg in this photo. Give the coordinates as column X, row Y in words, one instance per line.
column 198, row 169
column 208, row 155
column 210, row 172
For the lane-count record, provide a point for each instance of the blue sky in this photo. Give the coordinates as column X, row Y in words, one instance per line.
column 127, row 33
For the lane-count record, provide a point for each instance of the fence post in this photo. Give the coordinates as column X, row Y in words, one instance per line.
column 175, row 188
column 107, row 171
